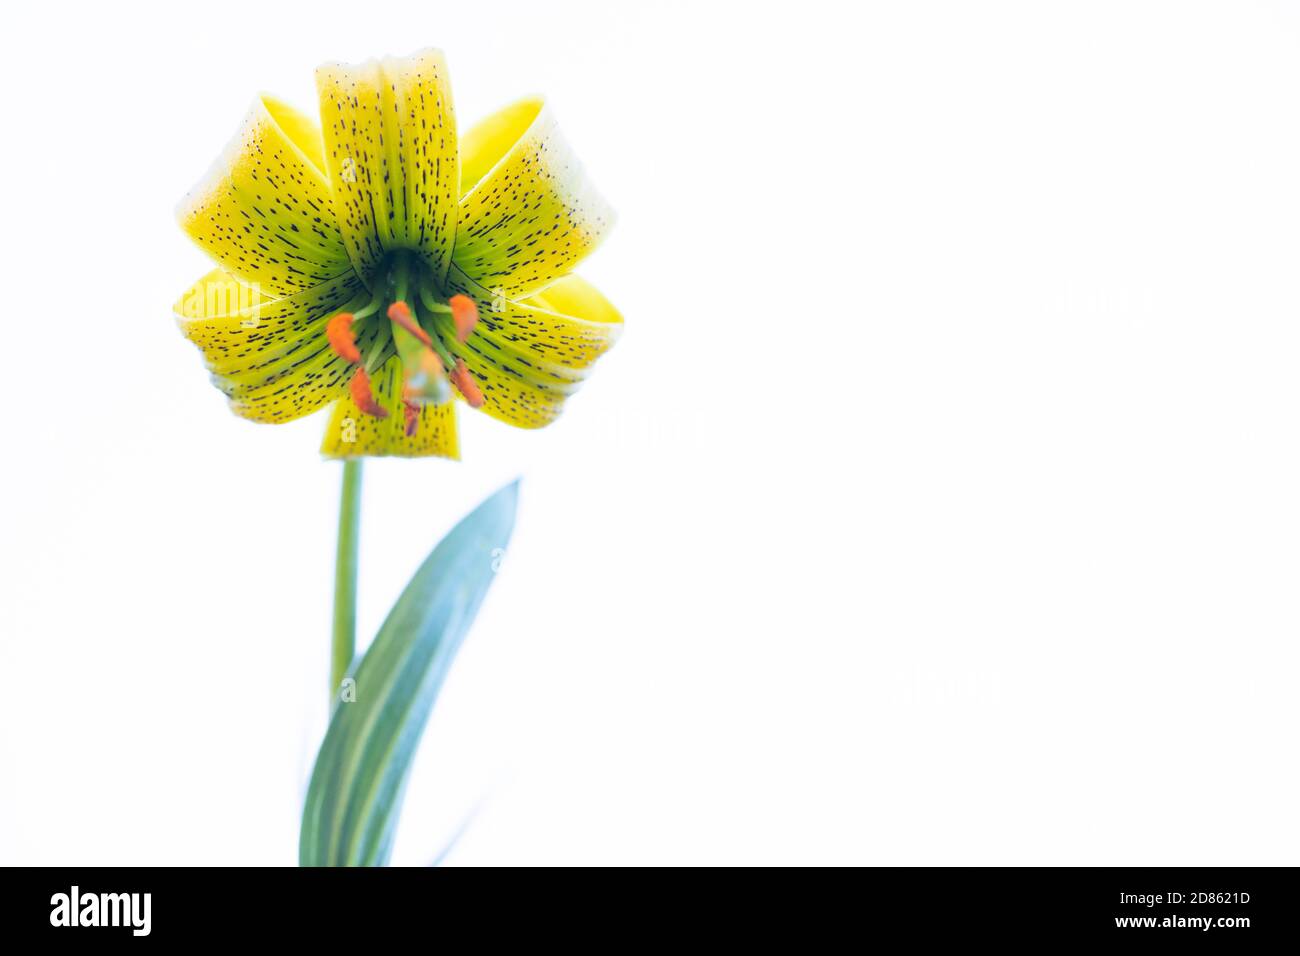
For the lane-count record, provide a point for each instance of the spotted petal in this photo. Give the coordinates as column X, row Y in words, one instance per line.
column 353, row 434
column 263, row 211
column 528, row 213
column 390, row 137
column 529, row 356
column 270, row 356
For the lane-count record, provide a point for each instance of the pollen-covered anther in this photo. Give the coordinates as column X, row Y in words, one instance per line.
column 412, row 411
column 400, row 314
column 364, row 397
column 339, row 333
column 464, row 314
column 464, row 382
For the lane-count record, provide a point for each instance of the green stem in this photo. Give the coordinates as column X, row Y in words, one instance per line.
column 345, row 578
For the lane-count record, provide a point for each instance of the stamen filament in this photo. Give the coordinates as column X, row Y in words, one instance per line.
column 440, row 347
column 370, row 308
column 378, row 352
column 432, row 304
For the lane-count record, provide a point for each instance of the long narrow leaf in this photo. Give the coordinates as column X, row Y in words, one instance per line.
column 356, row 788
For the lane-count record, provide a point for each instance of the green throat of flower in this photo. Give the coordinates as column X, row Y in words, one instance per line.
column 411, row 318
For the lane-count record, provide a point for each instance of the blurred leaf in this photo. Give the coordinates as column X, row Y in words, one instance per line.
column 356, row 788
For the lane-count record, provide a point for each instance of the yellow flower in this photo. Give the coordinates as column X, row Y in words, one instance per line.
column 382, row 263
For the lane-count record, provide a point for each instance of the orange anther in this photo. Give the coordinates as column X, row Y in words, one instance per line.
column 401, row 315
column 412, row 418
column 464, row 313
column 338, row 331
column 365, row 399
column 464, row 381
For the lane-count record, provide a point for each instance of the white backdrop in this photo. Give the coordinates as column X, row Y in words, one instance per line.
column 939, row 504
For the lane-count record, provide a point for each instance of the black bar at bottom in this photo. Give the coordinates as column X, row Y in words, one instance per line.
column 1230, row 907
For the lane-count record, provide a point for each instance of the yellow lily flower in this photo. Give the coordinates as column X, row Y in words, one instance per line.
column 380, row 263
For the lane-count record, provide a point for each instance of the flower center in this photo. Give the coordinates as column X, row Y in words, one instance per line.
column 410, row 318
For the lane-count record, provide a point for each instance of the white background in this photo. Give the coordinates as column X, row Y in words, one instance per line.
column 941, row 503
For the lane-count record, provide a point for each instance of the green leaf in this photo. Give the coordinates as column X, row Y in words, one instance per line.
column 356, row 788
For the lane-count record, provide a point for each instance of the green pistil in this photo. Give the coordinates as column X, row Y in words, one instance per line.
column 401, row 278
column 408, row 346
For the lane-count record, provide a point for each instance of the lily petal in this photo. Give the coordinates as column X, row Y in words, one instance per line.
column 529, row 356
column 594, row 324
column 390, row 136
column 264, row 211
column 353, row 434
column 270, row 357
column 528, row 213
